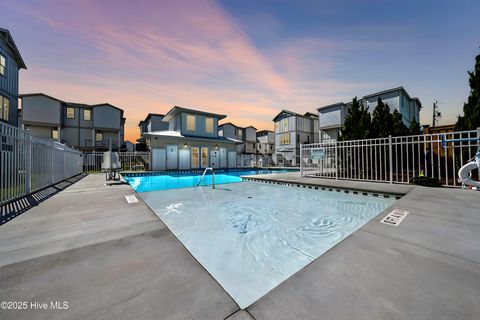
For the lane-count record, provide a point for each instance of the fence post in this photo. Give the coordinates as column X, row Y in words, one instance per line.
column 336, row 160
column 478, row 146
column 28, row 163
column 301, row 160
column 390, row 156
column 52, row 166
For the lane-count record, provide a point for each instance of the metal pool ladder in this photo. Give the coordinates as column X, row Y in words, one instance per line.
column 203, row 175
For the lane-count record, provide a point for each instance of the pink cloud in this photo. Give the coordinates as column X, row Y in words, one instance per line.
column 148, row 56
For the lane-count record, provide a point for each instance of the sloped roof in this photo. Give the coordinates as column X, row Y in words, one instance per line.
column 39, row 94
column 5, row 34
column 176, row 134
column 287, row 113
column 175, row 110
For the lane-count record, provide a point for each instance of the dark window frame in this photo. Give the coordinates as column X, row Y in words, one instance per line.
column 66, row 113
column 90, row 115
column 3, row 67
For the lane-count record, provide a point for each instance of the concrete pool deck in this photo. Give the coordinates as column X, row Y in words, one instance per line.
column 113, row 260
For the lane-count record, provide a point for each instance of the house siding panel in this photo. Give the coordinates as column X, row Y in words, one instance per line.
column 330, row 117
column 9, row 83
column 41, row 109
column 200, row 130
column 106, row 117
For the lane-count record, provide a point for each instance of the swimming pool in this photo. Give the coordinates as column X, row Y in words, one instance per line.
column 251, row 236
column 175, row 180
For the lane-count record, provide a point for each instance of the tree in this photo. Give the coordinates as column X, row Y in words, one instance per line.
column 471, row 109
column 357, row 122
column 398, row 127
column 414, row 128
column 381, row 120
column 365, row 124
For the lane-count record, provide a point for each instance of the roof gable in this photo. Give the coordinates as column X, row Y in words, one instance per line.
column 284, row 114
column 5, row 34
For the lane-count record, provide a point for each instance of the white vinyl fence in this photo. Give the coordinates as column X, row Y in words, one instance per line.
column 132, row 161
column 393, row 159
column 29, row 163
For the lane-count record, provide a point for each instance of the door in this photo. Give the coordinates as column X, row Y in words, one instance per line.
column 184, row 159
column 204, row 158
column 215, row 159
column 223, row 157
column 172, row 157
column 195, row 157
column 232, row 159
column 158, row 159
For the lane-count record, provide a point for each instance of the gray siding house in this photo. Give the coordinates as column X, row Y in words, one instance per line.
column 246, row 134
column 82, row 126
column 332, row 117
column 266, row 145
column 191, row 142
column 291, row 130
column 10, row 63
column 153, row 122
column 247, row 137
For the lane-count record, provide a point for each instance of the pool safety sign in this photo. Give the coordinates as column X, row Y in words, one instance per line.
column 395, row 217
column 317, row 154
column 131, row 198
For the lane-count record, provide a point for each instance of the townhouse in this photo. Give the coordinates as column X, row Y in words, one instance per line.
column 10, row 63
column 82, row 126
column 265, row 146
column 247, row 137
column 153, row 122
column 291, row 130
column 332, row 117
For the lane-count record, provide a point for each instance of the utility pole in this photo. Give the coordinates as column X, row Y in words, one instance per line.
column 436, row 114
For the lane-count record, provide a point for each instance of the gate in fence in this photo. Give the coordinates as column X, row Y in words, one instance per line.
column 131, row 161
column 392, row 159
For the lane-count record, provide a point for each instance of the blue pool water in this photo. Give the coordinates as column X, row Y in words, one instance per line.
column 179, row 180
column 251, row 236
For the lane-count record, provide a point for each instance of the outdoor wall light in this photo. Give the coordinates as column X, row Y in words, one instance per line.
column 216, row 146
column 185, row 145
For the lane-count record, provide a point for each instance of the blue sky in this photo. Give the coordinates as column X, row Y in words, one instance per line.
column 425, row 46
column 247, row 59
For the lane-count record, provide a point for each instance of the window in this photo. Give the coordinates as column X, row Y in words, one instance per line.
column 239, row 133
column 99, row 136
column 190, row 122
column 204, row 157
column 2, row 65
column 4, row 107
column 54, row 134
column 284, row 125
column 70, row 113
column 285, row 138
column 195, row 157
column 209, row 125
column 87, row 114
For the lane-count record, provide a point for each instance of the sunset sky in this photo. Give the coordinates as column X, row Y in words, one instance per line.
column 246, row 59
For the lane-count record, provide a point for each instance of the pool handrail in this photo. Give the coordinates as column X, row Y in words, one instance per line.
column 203, row 175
